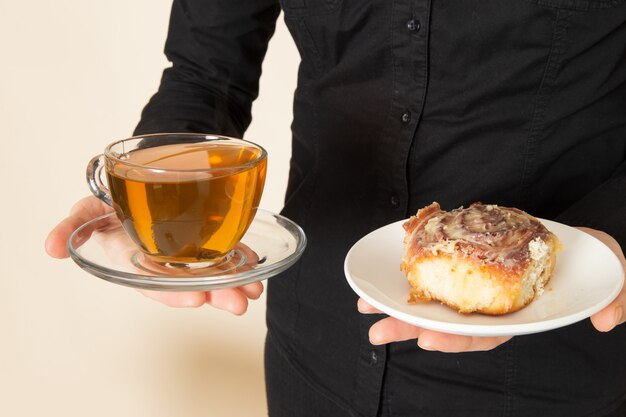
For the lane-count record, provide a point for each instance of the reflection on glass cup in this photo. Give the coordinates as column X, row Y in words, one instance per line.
column 185, row 199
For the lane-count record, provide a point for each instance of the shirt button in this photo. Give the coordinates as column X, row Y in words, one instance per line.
column 373, row 358
column 394, row 200
column 413, row 25
column 406, row 117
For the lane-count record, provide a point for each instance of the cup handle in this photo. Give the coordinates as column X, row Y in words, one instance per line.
column 94, row 179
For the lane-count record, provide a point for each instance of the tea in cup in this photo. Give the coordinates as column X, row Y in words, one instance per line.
column 185, row 199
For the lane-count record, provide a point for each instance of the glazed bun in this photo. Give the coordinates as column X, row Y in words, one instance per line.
column 484, row 258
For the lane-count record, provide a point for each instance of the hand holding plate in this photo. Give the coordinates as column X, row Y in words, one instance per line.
column 234, row 300
column 612, row 315
column 84, row 210
column 390, row 329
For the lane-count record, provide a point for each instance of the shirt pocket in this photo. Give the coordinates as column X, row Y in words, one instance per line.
column 579, row 5
column 301, row 8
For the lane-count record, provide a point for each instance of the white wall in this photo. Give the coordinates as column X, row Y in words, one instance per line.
column 74, row 76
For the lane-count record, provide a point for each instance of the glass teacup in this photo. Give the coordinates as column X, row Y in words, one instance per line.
column 185, row 199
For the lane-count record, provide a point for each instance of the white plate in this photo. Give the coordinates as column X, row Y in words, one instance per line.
column 587, row 277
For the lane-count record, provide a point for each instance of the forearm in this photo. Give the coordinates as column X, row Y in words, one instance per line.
column 216, row 49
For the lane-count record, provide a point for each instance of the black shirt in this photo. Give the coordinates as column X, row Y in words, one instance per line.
column 400, row 103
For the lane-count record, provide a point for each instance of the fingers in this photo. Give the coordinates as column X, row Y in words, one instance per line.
column 252, row 291
column 366, row 308
column 184, row 299
column 233, row 300
column 252, row 259
column 390, row 330
column 612, row 315
column 228, row 299
column 56, row 241
column 86, row 209
column 452, row 343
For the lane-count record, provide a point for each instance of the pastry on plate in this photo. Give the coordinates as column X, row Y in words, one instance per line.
column 484, row 258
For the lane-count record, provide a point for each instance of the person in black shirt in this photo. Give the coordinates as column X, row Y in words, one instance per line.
column 400, row 103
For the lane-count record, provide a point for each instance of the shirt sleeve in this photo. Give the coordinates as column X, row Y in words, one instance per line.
column 604, row 208
column 216, row 48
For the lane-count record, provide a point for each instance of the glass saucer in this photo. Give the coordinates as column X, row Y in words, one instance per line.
column 271, row 245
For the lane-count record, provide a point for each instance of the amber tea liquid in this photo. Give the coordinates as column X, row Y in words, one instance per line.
column 185, row 213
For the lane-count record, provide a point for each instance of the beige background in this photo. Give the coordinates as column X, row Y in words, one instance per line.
column 74, row 77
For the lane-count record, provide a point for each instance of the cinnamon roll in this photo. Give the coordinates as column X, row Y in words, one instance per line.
column 484, row 258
